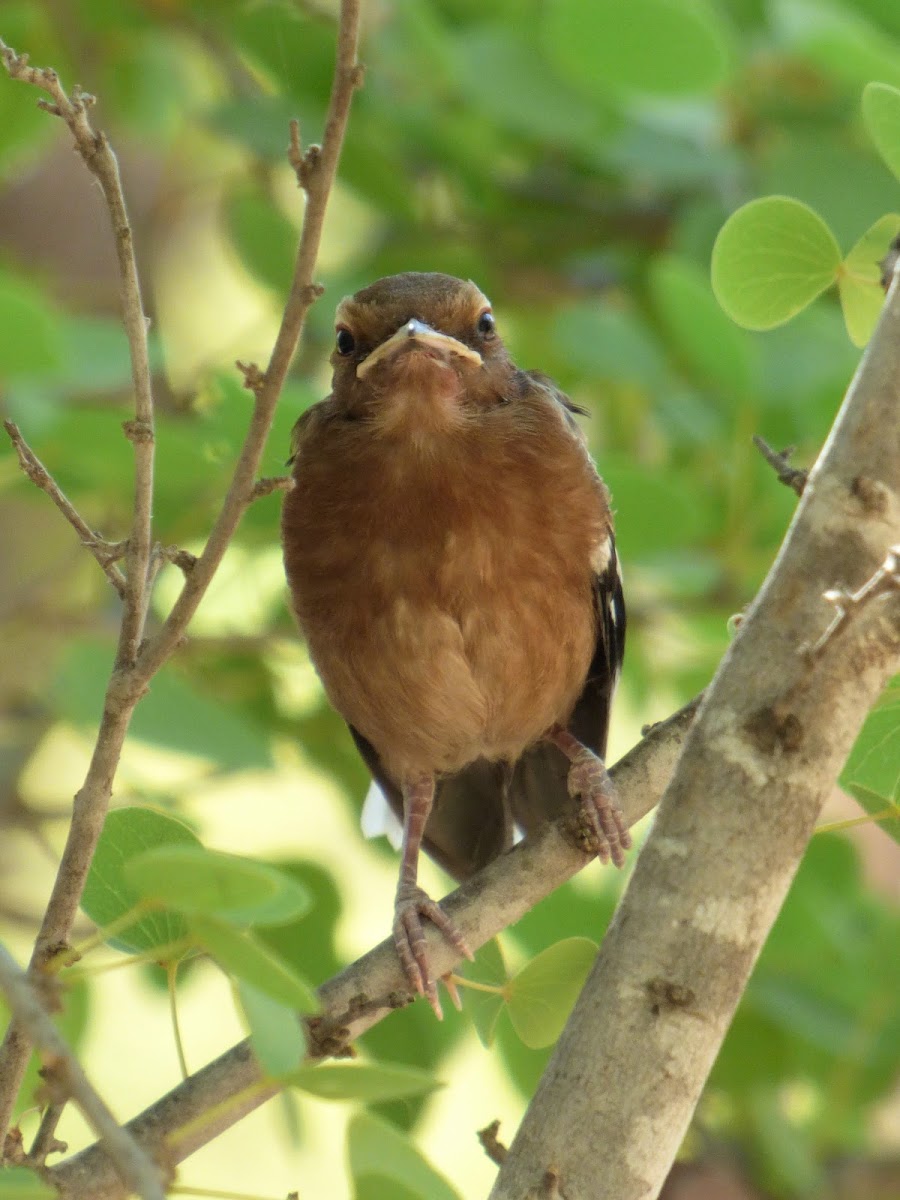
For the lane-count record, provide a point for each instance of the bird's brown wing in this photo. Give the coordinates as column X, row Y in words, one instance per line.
column 538, row 791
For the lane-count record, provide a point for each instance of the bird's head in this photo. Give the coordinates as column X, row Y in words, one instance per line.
column 418, row 349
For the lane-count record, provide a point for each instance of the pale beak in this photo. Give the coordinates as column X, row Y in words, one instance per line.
column 420, row 334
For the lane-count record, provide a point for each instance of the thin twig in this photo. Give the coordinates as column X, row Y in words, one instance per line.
column 886, row 578
column 45, row 1140
column 98, row 156
column 34, row 469
column 62, row 1069
column 491, row 1144
column 266, row 387
column 130, row 678
column 792, row 477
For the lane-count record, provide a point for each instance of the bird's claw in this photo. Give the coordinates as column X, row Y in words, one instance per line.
column 608, row 834
column 409, row 937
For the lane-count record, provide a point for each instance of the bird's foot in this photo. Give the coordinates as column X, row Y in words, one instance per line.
column 604, row 830
column 409, row 937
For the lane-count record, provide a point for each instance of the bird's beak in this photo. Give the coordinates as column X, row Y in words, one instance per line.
column 419, row 334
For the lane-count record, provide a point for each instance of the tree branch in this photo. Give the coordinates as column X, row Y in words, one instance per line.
column 64, row 1075
column 134, row 667
column 224, row 1091
column 35, row 470
column 772, row 734
column 266, row 387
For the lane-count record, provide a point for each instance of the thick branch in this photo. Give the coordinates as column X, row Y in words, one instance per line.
column 772, row 734
column 65, row 1076
column 369, row 989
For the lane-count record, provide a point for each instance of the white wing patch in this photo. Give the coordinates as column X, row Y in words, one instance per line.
column 601, row 555
column 378, row 818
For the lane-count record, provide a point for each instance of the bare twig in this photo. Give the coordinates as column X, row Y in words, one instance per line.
column 135, row 667
column 224, row 1091
column 792, row 477
column 267, row 388
column 98, row 156
column 271, row 483
column 886, row 578
column 491, row 1144
column 62, row 1069
column 45, row 1140
column 35, row 470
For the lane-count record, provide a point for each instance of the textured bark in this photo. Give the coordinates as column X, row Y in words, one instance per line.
column 772, row 734
column 224, row 1091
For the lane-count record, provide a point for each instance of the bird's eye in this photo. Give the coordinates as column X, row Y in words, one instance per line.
column 345, row 341
column 486, row 326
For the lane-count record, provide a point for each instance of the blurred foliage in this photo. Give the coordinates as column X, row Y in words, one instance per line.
column 578, row 159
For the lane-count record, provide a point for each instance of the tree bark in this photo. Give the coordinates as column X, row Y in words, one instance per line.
column 771, row 737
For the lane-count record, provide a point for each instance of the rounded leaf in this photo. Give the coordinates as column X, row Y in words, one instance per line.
column 241, row 955
column 371, row 1082
column 660, row 47
column 379, row 1149
column 859, row 283
column 276, row 1034
column 881, row 115
column 109, row 893
column 771, row 259
column 485, row 1008
column 192, row 879
column 540, row 998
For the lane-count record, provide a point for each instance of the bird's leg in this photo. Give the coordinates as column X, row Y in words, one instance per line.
column 589, row 779
column 412, row 903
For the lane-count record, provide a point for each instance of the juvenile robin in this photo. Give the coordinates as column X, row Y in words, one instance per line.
column 450, row 555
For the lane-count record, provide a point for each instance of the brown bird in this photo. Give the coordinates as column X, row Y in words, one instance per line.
column 450, row 554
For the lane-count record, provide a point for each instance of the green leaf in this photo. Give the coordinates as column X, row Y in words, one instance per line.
column 881, row 115
column 379, row 1149
column 242, row 955
column 195, row 880
column 700, row 331
column 843, row 44
column 859, row 280
column 771, row 259
column 540, row 998
column 109, row 894
column 662, row 47
column 872, row 772
column 485, row 1007
column 19, row 1184
column 371, row 1082
column 276, row 1033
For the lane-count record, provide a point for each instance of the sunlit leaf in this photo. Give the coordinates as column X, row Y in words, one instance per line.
column 192, row 879
column 771, row 259
column 109, row 893
column 881, row 114
column 485, row 1007
column 276, row 1033
column 541, row 996
column 370, row 1082
column 872, row 772
column 379, row 1149
column 859, row 281
column 243, row 956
